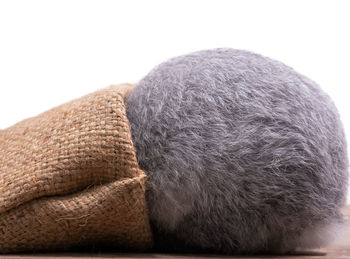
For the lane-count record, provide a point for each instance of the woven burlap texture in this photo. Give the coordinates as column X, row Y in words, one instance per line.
column 69, row 177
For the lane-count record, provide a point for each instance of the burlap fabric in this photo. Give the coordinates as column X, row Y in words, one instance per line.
column 69, row 177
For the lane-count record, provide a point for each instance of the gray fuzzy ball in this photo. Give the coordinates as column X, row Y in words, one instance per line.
column 242, row 153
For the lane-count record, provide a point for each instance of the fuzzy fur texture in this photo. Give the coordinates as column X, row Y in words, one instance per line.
column 243, row 154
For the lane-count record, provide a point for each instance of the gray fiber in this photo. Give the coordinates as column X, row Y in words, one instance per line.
column 243, row 154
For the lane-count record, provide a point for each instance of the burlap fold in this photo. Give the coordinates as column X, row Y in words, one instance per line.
column 69, row 177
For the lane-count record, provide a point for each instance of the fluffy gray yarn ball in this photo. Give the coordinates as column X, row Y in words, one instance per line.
column 242, row 153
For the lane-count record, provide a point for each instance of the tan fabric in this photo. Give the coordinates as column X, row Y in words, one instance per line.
column 69, row 177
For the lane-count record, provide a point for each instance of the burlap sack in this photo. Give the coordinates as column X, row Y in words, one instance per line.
column 69, row 177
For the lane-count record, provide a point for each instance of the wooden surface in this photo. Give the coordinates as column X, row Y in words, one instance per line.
column 340, row 250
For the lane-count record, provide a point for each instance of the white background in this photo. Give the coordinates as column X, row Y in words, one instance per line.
column 53, row 51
